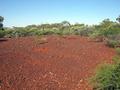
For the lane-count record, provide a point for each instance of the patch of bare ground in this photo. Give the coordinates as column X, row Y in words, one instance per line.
column 61, row 63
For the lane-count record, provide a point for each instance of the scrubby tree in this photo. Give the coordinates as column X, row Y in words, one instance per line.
column 2, row 33
column 65, row 24
column 1, row 22
column 44, row 26
column 106, row 23
column 118, row 19
column 1, row 19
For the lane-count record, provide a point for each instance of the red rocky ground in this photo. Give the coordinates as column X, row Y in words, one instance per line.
column 61, row 63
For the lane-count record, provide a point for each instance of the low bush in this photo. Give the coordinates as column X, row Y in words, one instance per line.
column 118, row 51
column 59, row 33
column 47, row 32
column 116, row 59
column 85, row 32
column 2, row 33
column 112, row 43
column 97, row 35
column 76, row 32
column 101, row 79
column 9, row 33
column 107, row 76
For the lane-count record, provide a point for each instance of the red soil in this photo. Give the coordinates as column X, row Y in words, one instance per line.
column 64, row 63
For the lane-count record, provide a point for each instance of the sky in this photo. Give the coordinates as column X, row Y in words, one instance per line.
column 27, row 12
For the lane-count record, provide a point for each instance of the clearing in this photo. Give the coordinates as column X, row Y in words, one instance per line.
column 50, row 63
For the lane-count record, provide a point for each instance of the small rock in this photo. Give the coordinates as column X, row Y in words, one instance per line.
column 81, row 80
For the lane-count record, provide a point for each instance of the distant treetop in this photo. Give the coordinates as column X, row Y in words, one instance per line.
column 1, row 19
column 118, row 19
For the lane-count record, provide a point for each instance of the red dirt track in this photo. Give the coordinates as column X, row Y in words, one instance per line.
column 63, row 63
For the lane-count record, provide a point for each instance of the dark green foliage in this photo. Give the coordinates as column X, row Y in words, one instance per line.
column 1, row 19
column 111, row 31
column 1, row 24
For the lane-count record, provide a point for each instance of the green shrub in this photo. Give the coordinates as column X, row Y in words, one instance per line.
column 107, row 77
column 76, row 32
column 9, row 33
column 118, row 51
column 102, row 77
column 112, row 43
column 2, row 33
column 21, row 33
column 16, row 33
column 85, row 32
column 116, row 59
column 97, row 37
column 110, row 32
column 115, row 37
column 48, row 32
column 95, row 34
column 59, row 32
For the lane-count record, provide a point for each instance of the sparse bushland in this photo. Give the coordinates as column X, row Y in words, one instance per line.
column 48, row 29
column 107, row 30
column 107, row 76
